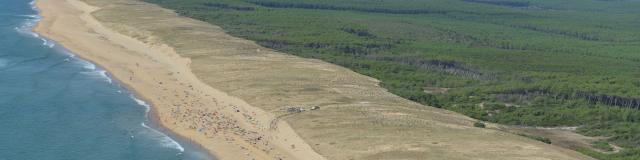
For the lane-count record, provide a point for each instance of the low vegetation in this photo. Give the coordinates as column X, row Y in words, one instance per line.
column 479, row 125
column 533, row 63
column 602, row 145
column 538, row 138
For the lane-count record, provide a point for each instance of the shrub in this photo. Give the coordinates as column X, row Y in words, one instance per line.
column 602, row 145
column 538, row 138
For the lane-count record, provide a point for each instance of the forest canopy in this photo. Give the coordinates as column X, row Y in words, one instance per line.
column 517, row 62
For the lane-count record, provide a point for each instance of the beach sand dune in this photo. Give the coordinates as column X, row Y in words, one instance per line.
column 242, row 101
column 227, row 126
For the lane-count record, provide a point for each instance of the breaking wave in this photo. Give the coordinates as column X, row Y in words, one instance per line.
column 164, row 140
column 142, row 103
column 87, row 65
column 93, row 71
column 99, row 74
column 27, row 26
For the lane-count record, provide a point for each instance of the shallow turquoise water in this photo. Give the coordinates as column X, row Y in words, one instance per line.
column 54, row 106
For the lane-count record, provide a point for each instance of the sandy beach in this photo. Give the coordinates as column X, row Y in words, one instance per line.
column 224, row 125
column 241, row 101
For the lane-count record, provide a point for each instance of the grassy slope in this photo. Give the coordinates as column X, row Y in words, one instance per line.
column 562, row 63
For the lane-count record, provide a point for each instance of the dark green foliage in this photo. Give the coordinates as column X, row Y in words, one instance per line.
column 227, row 6
column 623, row 134
column 538, row 138
column 479, row 125
column 276, row 4
column 502, row 3
column 602, row 145
column 628, row 154
column 519, row 62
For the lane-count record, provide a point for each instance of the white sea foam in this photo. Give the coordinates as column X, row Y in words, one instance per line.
column 165, row 140
column 47, row 43
column 86, row 65
column 26, row 16
column 99, row 74
column 33, row 6
column 27, row 26
column 104, row 75
column 142, row 103
column 33, row 16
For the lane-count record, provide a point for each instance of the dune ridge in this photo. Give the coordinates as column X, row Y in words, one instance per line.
column 240, row 100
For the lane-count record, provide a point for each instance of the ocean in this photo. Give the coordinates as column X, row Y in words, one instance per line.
column 55, row 106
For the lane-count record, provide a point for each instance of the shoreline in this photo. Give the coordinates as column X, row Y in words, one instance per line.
column 358, row 119
column 158, row 115
column 152, row 115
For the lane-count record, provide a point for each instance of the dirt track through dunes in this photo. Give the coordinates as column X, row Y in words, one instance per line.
column 356, row 118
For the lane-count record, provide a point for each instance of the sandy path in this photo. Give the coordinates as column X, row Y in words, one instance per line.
column 226, row 126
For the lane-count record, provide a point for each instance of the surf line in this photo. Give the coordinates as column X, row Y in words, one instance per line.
column 27, row 28
column 165, row 140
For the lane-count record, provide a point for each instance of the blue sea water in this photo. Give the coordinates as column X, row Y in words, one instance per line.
column 54, row 106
